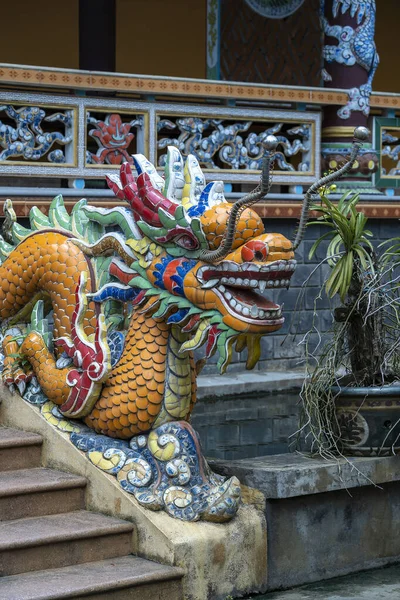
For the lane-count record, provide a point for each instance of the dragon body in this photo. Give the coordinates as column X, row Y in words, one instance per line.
column 102, row 309
column 106, row 306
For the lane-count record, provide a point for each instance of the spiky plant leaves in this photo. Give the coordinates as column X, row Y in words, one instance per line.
column 348, row 242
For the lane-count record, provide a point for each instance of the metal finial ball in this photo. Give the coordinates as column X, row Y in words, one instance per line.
column 270, row 143
column 362, row 134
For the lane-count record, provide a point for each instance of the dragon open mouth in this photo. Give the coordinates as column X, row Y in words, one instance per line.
column 239, row 286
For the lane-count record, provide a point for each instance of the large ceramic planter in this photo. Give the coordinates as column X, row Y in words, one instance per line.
column 369, row 420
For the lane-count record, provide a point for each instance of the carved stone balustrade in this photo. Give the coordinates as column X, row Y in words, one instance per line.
column 69, row 127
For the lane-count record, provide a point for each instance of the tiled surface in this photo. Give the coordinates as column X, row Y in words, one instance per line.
column 119, row 82
column 270, row 210
column 246, row 426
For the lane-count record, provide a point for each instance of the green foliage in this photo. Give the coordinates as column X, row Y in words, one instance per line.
column 363, row 347
column 349, row 245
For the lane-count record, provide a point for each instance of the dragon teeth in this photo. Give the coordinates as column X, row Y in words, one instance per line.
column 254, row 311
column 262, row 286
column 210, row 284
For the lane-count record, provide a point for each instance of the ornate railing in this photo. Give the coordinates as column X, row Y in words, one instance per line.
column 77, row 137
column 72, row 127
column 387, row 144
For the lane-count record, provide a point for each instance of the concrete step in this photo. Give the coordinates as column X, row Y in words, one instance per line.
column 38, row 491
column 55, row 541
column 126, row 578
column 19, row 449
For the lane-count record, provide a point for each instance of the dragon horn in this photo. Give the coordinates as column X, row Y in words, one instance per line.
column 152, row 198
column 261, row 190
column 361, row 134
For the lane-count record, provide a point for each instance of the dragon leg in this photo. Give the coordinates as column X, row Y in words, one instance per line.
column 52, row 380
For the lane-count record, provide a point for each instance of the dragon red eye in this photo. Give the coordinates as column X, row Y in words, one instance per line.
column 255, row 250
column 187, row 242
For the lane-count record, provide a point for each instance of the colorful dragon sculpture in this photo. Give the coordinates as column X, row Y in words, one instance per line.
column 102, row 309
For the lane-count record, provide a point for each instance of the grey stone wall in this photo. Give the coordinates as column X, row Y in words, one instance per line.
column 282, row 351
column 246, row 425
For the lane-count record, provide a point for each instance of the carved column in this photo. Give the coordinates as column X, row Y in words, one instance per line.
column 350, row 62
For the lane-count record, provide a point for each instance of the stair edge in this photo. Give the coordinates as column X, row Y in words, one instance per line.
column 74, row 481
column 67, row 536
column 172, row 574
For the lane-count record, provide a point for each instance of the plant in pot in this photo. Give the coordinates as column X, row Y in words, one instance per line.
column 351, row 395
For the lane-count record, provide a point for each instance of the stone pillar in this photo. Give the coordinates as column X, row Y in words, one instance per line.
column 97, row 35
column 350, row 62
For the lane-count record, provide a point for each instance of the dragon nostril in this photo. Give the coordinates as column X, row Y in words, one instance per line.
column 258, row 255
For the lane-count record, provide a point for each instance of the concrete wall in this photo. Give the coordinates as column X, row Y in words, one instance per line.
column 246, row 425
column 320, row 536
column 325, row 518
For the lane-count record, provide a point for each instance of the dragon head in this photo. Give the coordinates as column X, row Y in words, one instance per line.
column 205, row 262
column 188, row 257
column 194, row 259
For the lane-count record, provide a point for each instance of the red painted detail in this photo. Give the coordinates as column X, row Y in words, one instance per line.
column 94, row 362
column 120, row 274
column 113, row 138
column 139, row 297
column 151, row 197
column 192, row 324
column 258, row 275
column 143, row 198
column 212, row 339
column 171, row 270
column 182, row 236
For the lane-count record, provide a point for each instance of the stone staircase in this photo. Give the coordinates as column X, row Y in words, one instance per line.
column 51, row 547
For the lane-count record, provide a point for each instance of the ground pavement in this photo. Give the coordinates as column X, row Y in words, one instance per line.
column 379, row 584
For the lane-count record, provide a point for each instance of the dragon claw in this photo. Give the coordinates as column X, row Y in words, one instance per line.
column 21, row 385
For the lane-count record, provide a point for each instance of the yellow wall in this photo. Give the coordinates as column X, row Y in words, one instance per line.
column 40, row 32
column 159, row 37
column 162, row 37
column 387, row 77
